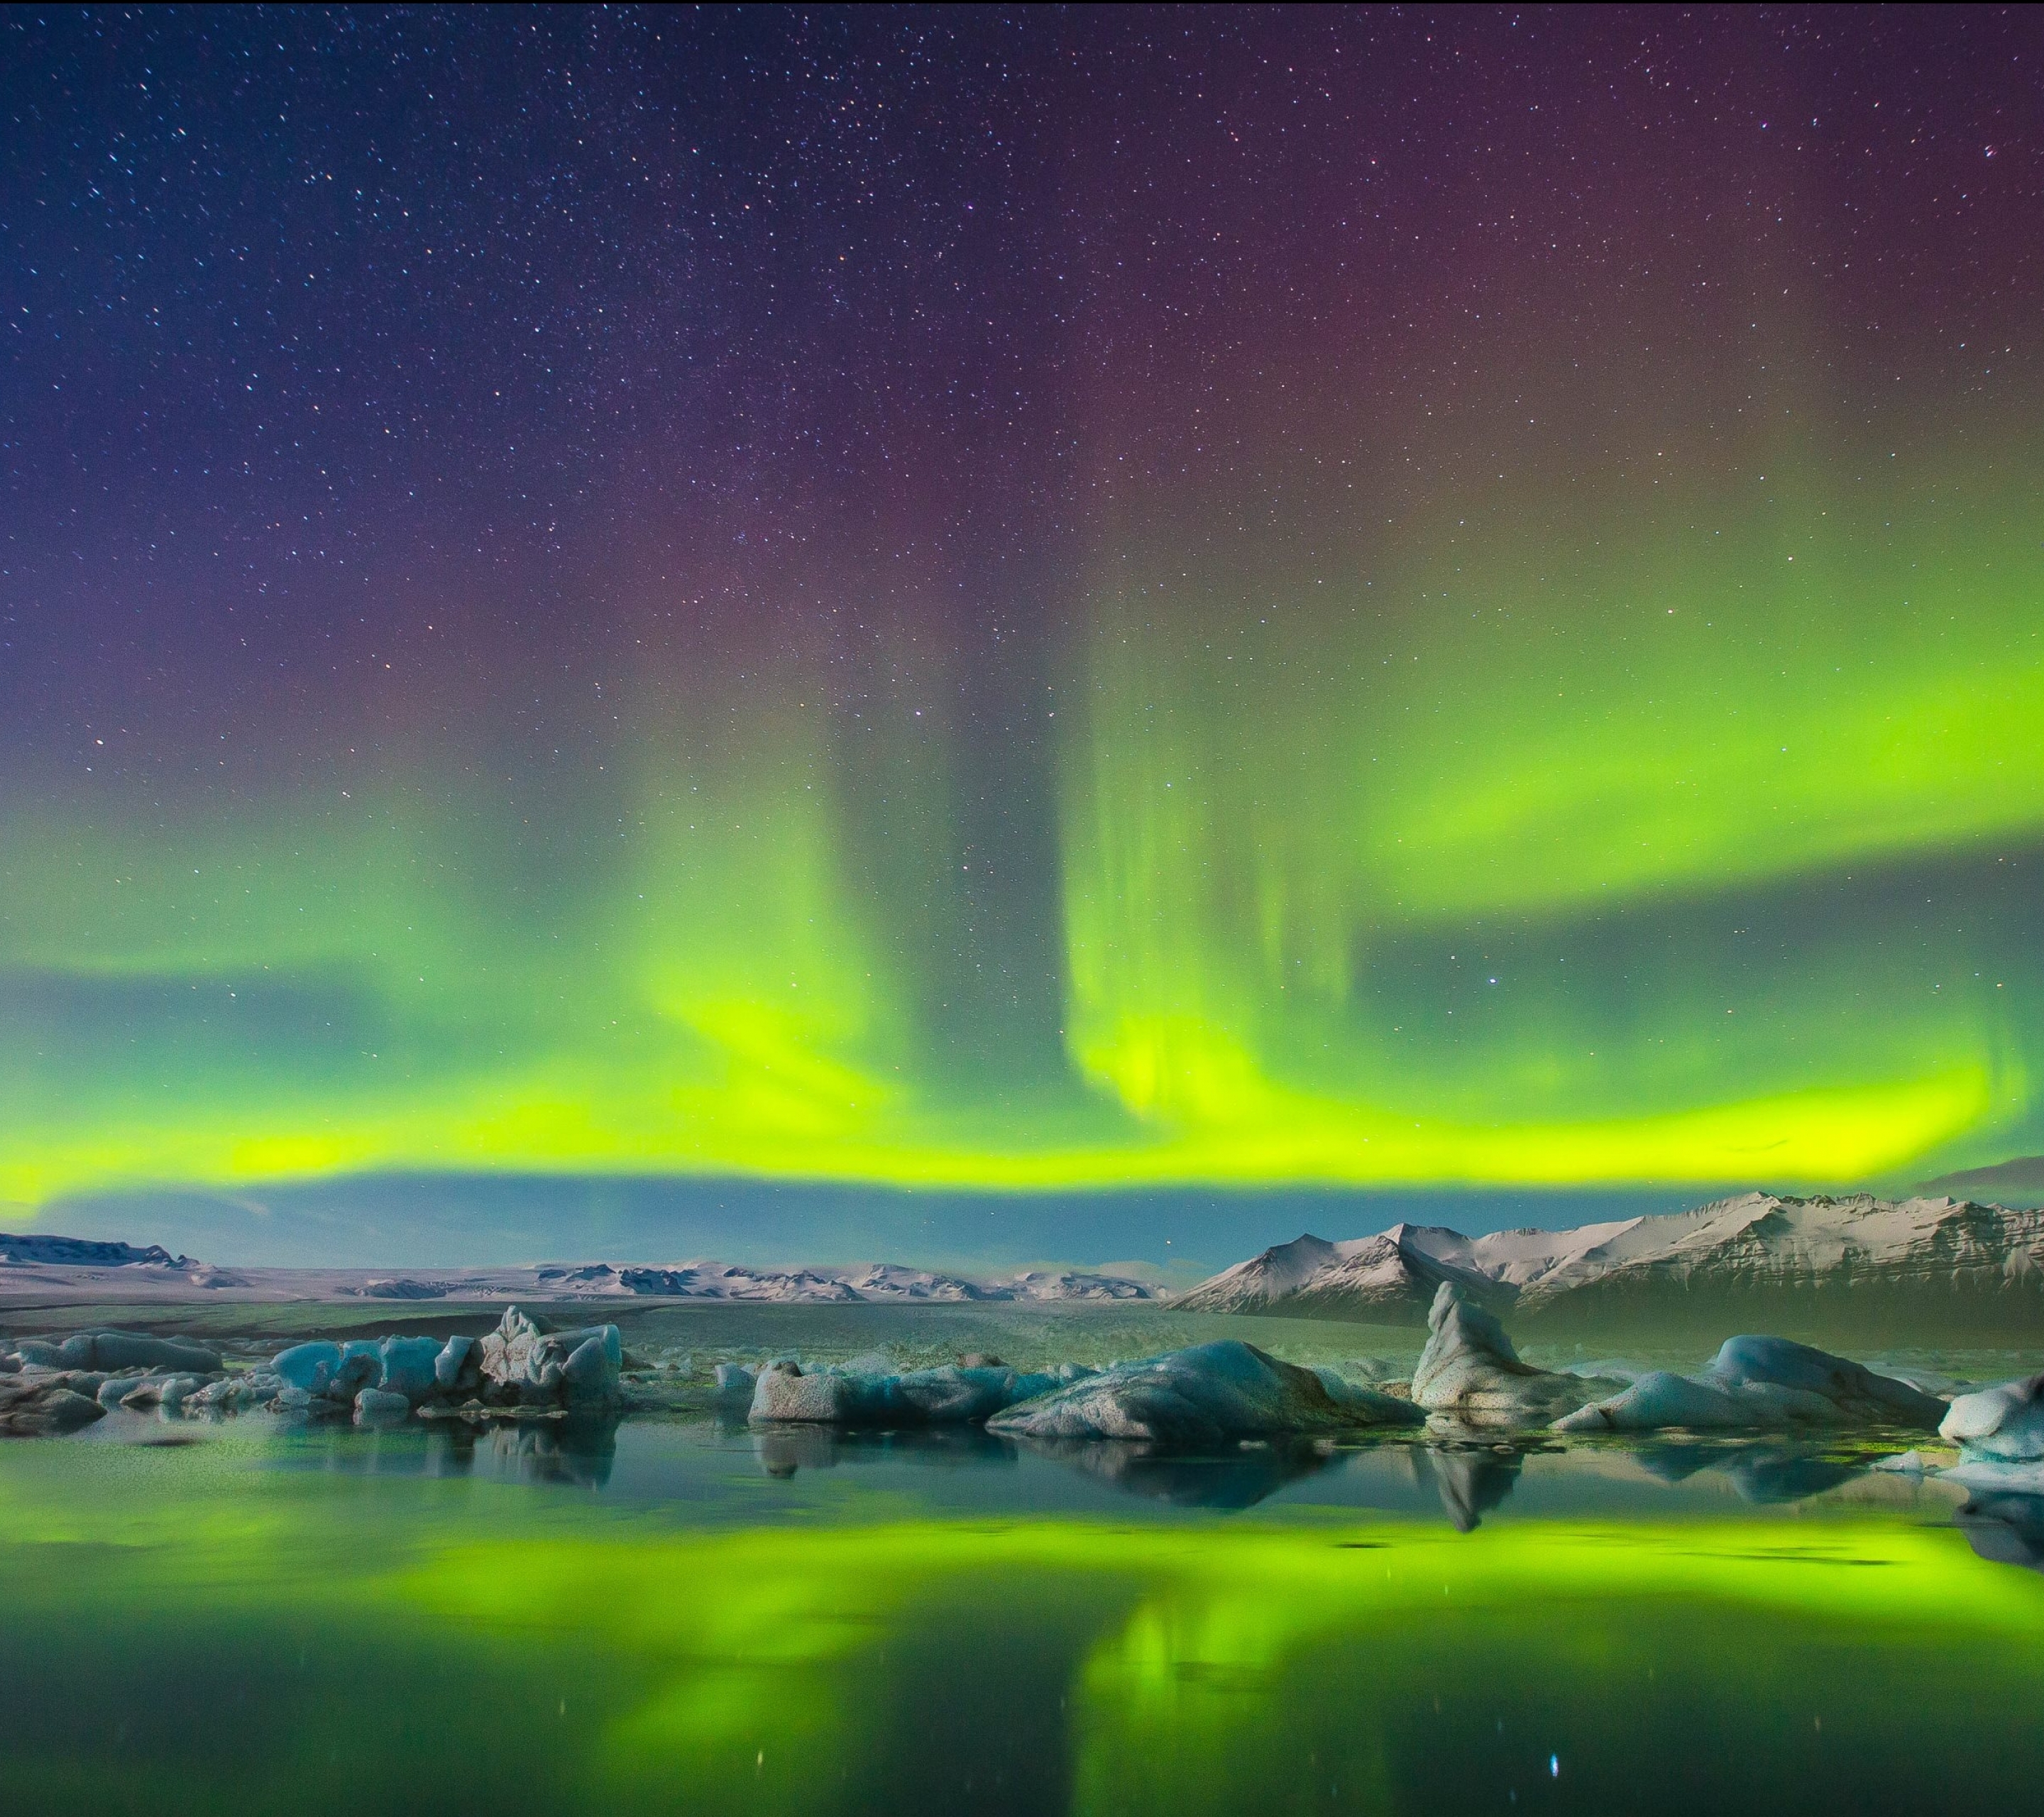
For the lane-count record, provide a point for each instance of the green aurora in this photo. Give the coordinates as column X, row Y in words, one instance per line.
column 969, row 650
column 1687, row 846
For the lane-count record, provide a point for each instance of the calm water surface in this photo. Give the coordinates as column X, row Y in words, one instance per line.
column 675, row 1615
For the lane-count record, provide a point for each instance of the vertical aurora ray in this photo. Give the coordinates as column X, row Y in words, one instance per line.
column 1363, row 602
column 1528, row 848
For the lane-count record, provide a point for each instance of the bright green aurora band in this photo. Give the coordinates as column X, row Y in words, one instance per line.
column 1633, row 833
column 1293, row 599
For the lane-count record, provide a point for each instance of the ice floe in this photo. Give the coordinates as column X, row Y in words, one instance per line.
column 1204, row 1395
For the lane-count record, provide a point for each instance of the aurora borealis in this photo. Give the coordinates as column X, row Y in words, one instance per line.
column 1023, row 600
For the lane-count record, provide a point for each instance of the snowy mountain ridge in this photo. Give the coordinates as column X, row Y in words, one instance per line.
column 1860, row 1247
column 36, row 1267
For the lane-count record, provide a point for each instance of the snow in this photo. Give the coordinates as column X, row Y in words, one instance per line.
column 53, row 1267
column 1755, row 1239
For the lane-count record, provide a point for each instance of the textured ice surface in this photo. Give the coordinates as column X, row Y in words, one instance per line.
column 1205, row 1395
column 2005, row 1424
column 1758, row 1383
column 950, row 1395
column 1471, row 1371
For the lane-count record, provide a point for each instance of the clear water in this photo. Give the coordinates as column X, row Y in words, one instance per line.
column 675, row 1614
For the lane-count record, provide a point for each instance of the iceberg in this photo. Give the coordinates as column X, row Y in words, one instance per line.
column 516, row 1365
column 524, row 1365
column 1760, row 1384
column 307, row 1367
column 1204, row 1395
column 408, row 1365
column 30, row 1410
column 2000, row 1432
column 735, row 1383
column 1471, row 1373
column 111, row 1350
column 458, row 1366
column 952, row 1396
column 2005, row 1423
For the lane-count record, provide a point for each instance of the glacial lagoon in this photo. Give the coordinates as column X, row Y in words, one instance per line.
column 674, row 1613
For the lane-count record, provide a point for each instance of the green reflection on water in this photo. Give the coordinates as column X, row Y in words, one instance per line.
column 196, row 1631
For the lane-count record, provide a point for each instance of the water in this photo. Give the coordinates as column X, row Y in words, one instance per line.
column 674, row 1615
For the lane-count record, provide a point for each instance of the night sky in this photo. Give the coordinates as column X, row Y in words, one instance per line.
column 1038, row 600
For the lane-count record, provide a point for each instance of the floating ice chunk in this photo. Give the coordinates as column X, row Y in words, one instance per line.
column 783, row 1392
column 176, row 1391
column 947, row 1396
column 230, row 1395
column 375, row 1406
column 361, row 1366
column 37, row 1411
column 2022, row 1476
column 1659, row 1399
column 2003, row 1424
column 1359, row 1394
column 410, row 1367
column 1203, row 1396
column 956, row 1395
column 307, row 1367
column 591, row 1368
column 521, row 1362
column 1760, row 1384
column 131, row 1350
column 458, row 1365
column 1471, row 1372
column 1783, row 1368
column 734, row 1382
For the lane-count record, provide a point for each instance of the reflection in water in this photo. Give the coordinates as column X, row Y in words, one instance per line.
column 2005, row 1527
column 1470, row 1479
column 580, row 1451
column 782, row 1451
column 1471, row 1482
column 1238, row 1476
column 1764, row 1473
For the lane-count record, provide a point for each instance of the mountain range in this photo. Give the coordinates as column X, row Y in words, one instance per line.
column 36, row 1267
column 1935, row 1267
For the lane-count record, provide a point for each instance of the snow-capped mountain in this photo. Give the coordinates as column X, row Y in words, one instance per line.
column 884, row 1281
column 1854, row 1255
column 28, row 1249
column 39, row 1268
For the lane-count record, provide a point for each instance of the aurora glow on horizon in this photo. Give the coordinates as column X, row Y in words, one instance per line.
column 1028, row 601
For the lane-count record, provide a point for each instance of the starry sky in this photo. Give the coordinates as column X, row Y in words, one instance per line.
column 1052, row 605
